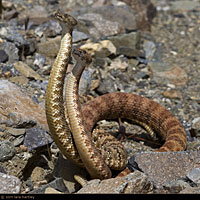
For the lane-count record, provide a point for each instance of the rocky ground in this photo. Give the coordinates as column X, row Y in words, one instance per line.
column 148, row 49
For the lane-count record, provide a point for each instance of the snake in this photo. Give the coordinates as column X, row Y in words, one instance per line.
column 71, row 126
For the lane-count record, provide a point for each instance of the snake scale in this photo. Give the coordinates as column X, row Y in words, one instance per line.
column 98, row 152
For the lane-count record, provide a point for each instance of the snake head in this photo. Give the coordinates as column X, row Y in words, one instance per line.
column 83, row 59
column 81, row 56
column 67, row 21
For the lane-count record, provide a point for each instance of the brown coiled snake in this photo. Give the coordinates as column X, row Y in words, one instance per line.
column 98, row 153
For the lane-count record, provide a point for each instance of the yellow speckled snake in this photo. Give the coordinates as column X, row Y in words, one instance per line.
column 100, row 152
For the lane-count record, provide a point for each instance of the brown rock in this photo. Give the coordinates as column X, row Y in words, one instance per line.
column 37, row 14
column 134, row 183
column 106, row 20
column 19, row 80
column 101, row 25
column 172, row 94
column 127, row 44
column 51, row 190
column 167, row 166
column 102, row 49
column 16, row 131
column 49, row 48
column 38, row 174
column 94, row 84
column 169, row 74
column 26, row 71
column 18, row 109
column 176, row 76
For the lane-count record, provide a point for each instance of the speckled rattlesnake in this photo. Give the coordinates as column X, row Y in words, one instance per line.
column 74, row 140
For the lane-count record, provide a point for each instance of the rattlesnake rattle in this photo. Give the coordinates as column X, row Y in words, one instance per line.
column 110, row 106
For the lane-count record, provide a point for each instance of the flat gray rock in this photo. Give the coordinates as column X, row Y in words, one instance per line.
column 35, row 138
column 106, row 20
column 194, row 175
column 163, row 167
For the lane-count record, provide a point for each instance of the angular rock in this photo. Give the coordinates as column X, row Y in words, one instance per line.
column 127, row 44
column 149, row 48
column 7, row 150
column 121, row 14
column 78, row 36
column 106, row 20
column 102, row 49
column 12, row 34
column 37, row 15
column 49, row 48
column 194, row 176
column 85, row 82
column 51, row 190
column 101, row 27
column 9, row 184
column 50, row 29
column 36, row 137
column 26, row 71
column 57, row 184
column 21, row 80
column 162, row 72
column 18, row 140
column 18, row 109
column 15, row 131
column 11, row 50
column 172, row 94
column 166, row 166
column 176, row 186
column 67, row 169
column 133, row 183
column 38, row 174
column 185, row 5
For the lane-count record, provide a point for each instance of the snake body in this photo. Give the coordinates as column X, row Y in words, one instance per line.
column 75, row 140
column 54, row 107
